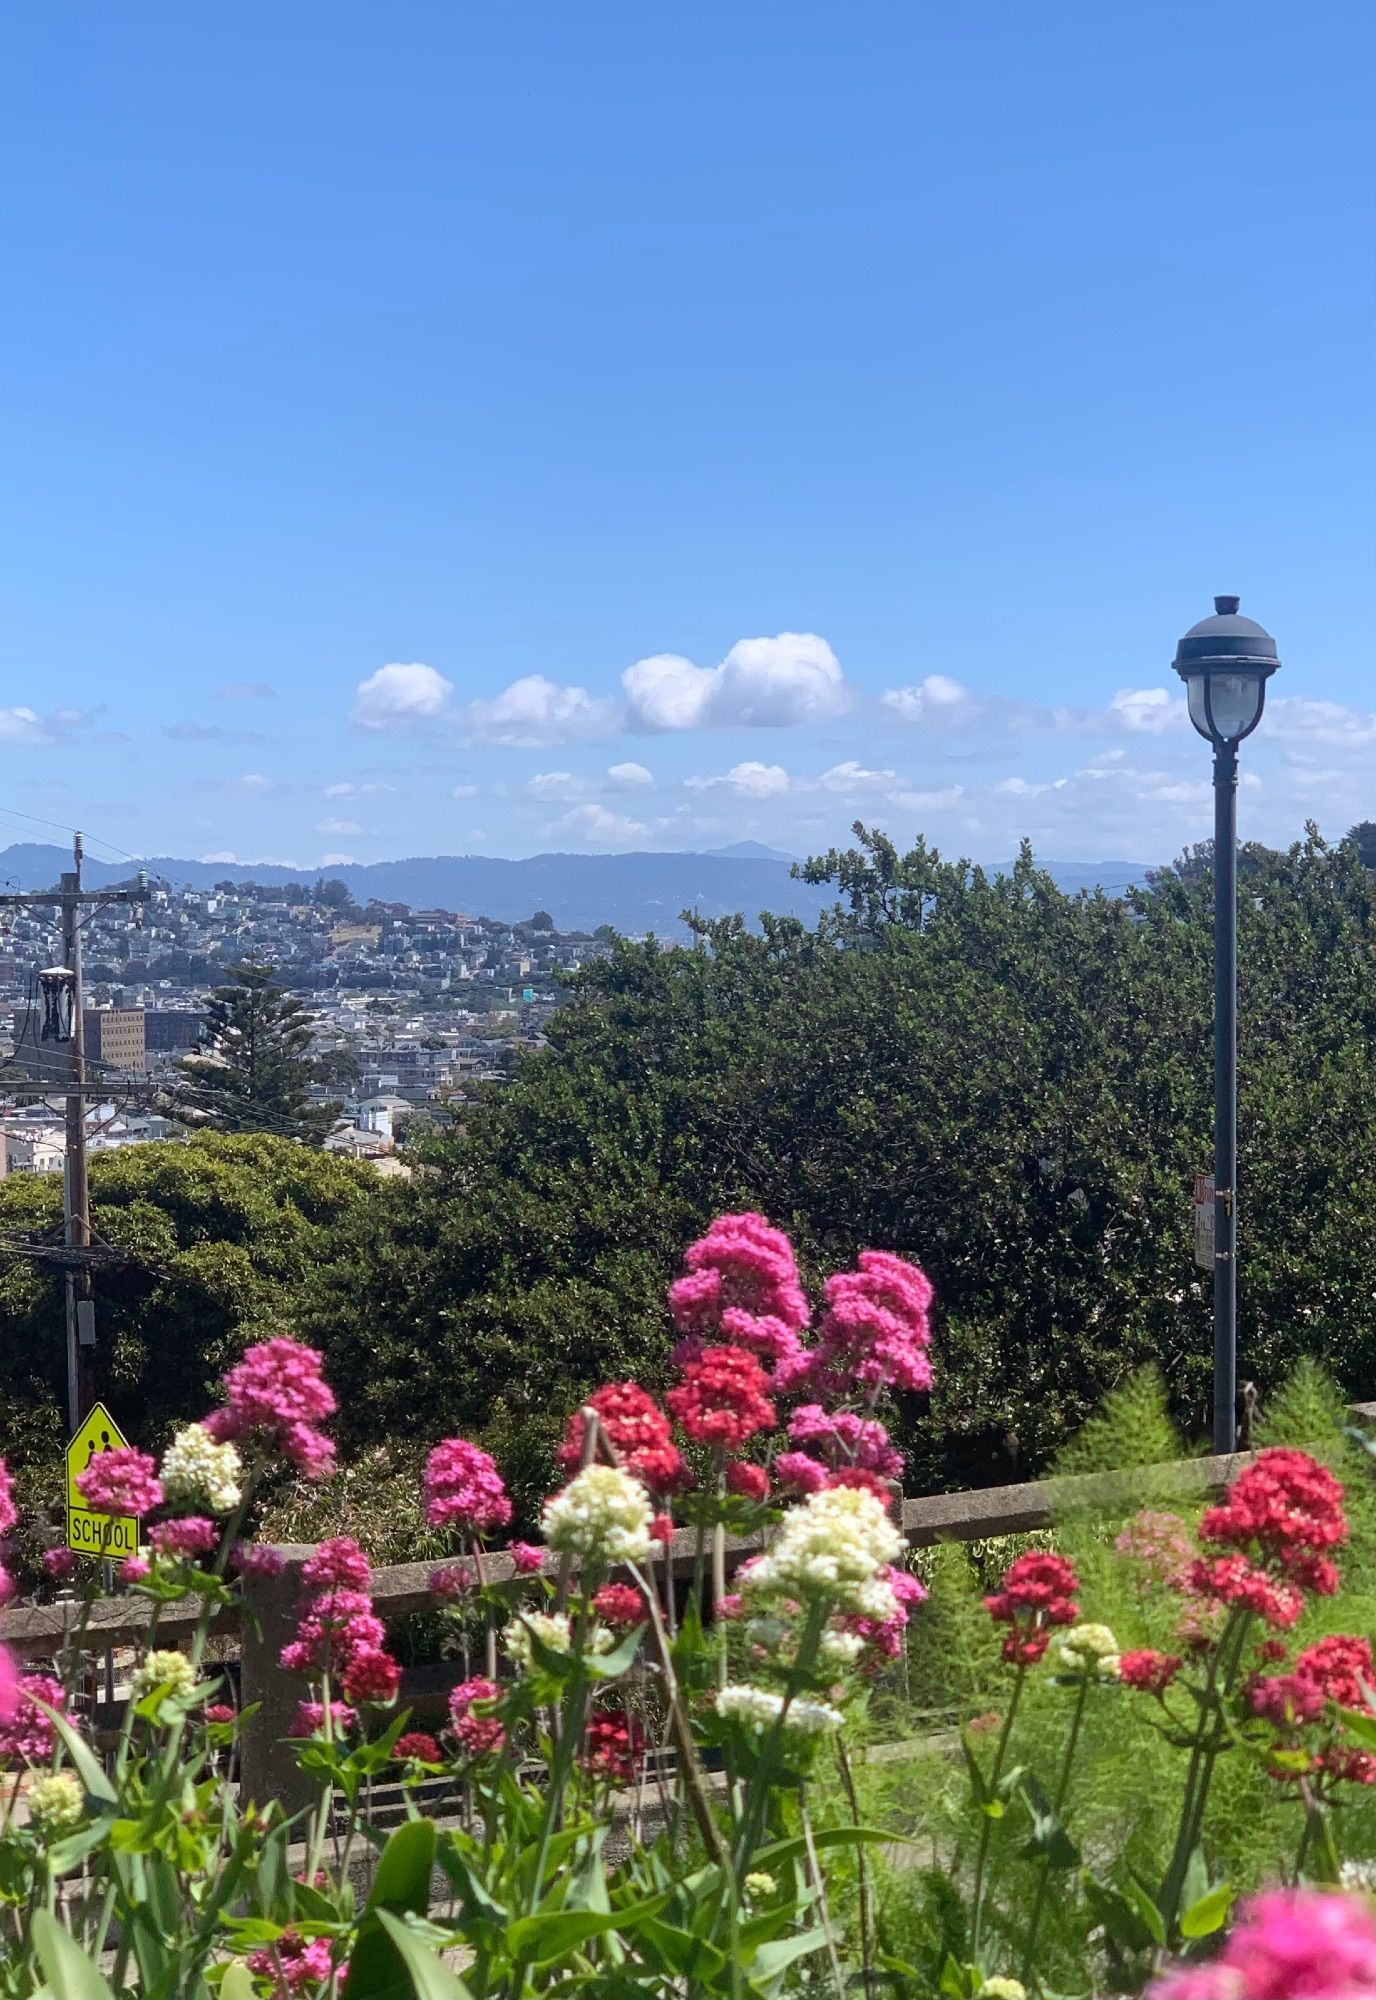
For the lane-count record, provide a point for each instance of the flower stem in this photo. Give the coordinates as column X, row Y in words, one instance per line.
column 1062, row 1789
column 987, row 1830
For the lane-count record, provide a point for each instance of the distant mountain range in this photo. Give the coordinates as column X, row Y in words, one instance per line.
column 633, row 892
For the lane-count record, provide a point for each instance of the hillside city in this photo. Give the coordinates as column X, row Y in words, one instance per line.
column 409, row 1009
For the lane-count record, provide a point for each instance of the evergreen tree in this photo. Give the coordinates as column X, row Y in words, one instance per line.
column 1363, row 838
column 254, row 1067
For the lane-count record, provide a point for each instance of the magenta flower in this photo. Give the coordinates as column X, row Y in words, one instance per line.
column 256, row 1559
column 27, row 1736
column 1289, row 1944
column 337, row 1564
column 371, row 1674
column 276, row 1396
column 464, row 1489
column 310, row 1718
column 796, row 1472
column 526, row 1559
column 59, row 1563
column 875, row 1331
column 134, row 1569
column 451, row 1580
column 120, row 1482
column 477, row 1733
column 294, row 1964
column 185, row 1538
column 743, row 1264
column 846, row 1439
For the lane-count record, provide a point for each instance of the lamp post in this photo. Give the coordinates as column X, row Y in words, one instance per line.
column 1225, row 662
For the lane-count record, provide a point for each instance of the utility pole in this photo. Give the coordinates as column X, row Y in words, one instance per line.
column 64, row 1022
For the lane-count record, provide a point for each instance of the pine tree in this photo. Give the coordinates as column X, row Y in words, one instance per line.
column 253, row 1068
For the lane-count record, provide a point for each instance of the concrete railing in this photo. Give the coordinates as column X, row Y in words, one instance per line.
column 268, row 1768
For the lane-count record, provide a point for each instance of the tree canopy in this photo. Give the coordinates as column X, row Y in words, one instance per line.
column 254, row 1066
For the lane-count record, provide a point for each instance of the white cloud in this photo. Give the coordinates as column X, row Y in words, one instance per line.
column 593, row 823
column 333, row 861
column 1019, row 788
column 535, row 713
column 555, row 785
column 928, row 801
column 853, row 777
column 338, row 826
column 465, row 791
column 22, row 725
column 254, row 781
column 1302, row 722
column 1148, row 711
column 762, row 684
column 221, row 858
column 751, row 780
column 478, row 834
column 340, row 791
column 937, row 698
column 400, row 696
column 628, row 777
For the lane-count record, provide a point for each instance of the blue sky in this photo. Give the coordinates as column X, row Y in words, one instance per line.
column 457, row 428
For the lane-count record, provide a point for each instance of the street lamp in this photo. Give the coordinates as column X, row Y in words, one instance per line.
column 1225, row 662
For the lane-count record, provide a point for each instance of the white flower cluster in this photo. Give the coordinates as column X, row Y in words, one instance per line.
column 1002, row 1989
column 758, row 1709
column 602, row 1515
column 838, row 1650
column 554, row 1630
column 197, row 1472
column 170, row 1670
column 57, row 1802
column 832, row 1550
column 1088, row 1649
column 1359, row 1876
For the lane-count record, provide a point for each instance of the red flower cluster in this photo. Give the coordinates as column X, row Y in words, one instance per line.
column 310, row 1718
column 1148, row 1671
column 478, row 1734
column 638, row 1431
column 415, row 1745
column 619, row 1604
column 1036, row 1593
column 1234, row 1580
column 278, row 1395
column 611, row 1745
column 721, row 1400
column 750, row 1481
column 1286, row 1510
column 1340, row 1667
column 464, row 1490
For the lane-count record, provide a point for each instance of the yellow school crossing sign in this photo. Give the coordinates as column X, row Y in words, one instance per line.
column 92, row 1534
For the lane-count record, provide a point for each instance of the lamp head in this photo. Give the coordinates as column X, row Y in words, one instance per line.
column 1225, row 662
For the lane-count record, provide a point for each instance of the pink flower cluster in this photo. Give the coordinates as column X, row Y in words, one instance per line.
column 295, row 1964
column 185, row 1538
column 845, row 1439
column 637, row 1430
column 876, row 1331
column 740, row 1282
column 721, row 1400
column 884, row 1636
column 1035, row 1594
column 1160, row 1544
column 310, row 1718
column 464, row 1490
column 619, row 1604
column 27, row 1736
column 1289, row 1944
column 338, row 1633
column 278, row 1396
column 120, row 1482
column 1148, row 1671
column 476, row 1729
column 1335, row 1670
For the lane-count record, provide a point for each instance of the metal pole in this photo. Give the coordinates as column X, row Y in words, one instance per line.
column 1225, row 1098
column 76, row 1207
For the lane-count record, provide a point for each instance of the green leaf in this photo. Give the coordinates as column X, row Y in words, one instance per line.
column 1209, row 1914
column 66, row 1966
column 540, row 1939
column 833, row 1836
column 64, row 1855
column 431, row 1978
column 770, row 1959
column 609, row 1666
column 402, row 1881
column 237, row 1983
column 1360, row 1724
column 87, row 1765
column 1140, row 1901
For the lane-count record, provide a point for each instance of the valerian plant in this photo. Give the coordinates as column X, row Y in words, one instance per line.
column 646, row 1780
